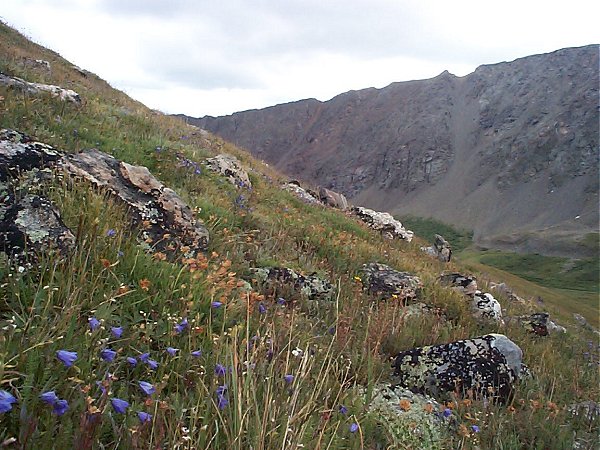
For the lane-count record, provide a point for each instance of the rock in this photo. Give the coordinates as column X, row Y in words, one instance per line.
column 540, row 324
column 283, row 278
column 230, row 167
column 295, row 188
column 381, row 280
column 443, row 248
column 588, row 409
column 333, row 199
column 32, row 225
column 485, row 306
column 462, row 283
column 383, row 222
column 415, row 310
column 36, row 88
column 488, row 366
column 43, row 63
column 503, row 289
column 19, row 153
column 167, row 222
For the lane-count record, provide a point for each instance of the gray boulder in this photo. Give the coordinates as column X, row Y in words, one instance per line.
column 441, row 249
column 540, row 324
column 282, row 279
column 383, row 222
column 465, row 284
column 230, row 167
column 167, row 222
column 488, row 366
column 485, row 306
column 19, row 153
column 381, row 280
column 333, row 199
column 36, row 88
column 295, row 188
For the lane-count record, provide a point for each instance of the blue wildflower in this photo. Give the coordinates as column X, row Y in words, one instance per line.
column 262, row 308
column 475, row 428
column 281, row 301
column 66, row 357
column 94, row 323
column 288, row 378
column 222, row 401
column 120, row 406
column 353, row 427
column 172, row 351
column 6, row 401
column 132, row 361
column 116, row 331
column 111, row 233
column 144, row 357
column 108, row 354
column 49, row 397
column 152, row 364
column 197, row 353
column 144, row 417
column 343, row 410
column 147, row 388
column 447, row 412
column 216, row 305
column 60, row 407
column 181, row 326
column 220, row 370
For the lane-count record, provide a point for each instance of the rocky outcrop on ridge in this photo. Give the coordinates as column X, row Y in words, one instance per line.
column 383, row 222
column 441, row 249
column 36, row 88
column 280, row 280
column 295, row 188
column 333, row 199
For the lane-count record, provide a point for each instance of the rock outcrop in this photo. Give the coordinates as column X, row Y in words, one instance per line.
column 295, row 188
column 485, row 306
column 382, row 281
column 333, row 199
column 441, row 249
column 19, row 153
column 36, row 88
column 383, row 222
column 282, row 280
column 167, row 222
column 540, row 324
column 465, row 284
column 488, row 366
column 230, row 167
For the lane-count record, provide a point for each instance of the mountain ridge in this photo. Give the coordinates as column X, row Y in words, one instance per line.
column 509, row 151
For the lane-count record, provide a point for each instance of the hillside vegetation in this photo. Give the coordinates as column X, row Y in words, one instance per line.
column 224, row 367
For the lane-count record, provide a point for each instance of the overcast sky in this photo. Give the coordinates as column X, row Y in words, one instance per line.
column 220, row 56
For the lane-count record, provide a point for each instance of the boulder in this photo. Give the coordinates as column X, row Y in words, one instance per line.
column 503, row 289
column 540, row 324
column 36, row 88
column 295, row 188
column 282, row 278
column 441, row 249
column 167, row 222
column 485, row 306
column 420, row 309
column 333, row 199
column 462, row 283
column 487, row 366
column 230, row 167
column 19, row 153
column 383, row 222
column 381, row 280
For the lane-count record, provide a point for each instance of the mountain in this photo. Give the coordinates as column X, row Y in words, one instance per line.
column 509, row 151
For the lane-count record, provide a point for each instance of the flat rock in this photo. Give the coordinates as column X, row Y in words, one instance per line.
column 282, row 278
column 465, row 284
column 36, row 88
column 383, row 222
column 229, row 166
column 485, row 306
column 488, row 366
column 333, row 199
column 381, row 280
column 167, row 222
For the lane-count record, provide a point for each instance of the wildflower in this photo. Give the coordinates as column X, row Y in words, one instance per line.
column 220, row 370
column 405, row 404
column 60, row 407
column 144, row 357
column 132, row 361
column 281, row 301
column 101, row 386
column 181, row 326
column 6, row 401
column 49, row 397
column 147, row 388
column 66, row 357
column 216, row 305
column 197, row 353
column 152, row 364
column 331, row 330
column 343, row 410
column 297, row 352
column 353, row 427
column 108, row 354
column 94, row 323
column 447, row 412
column 475, row 428
column 116, row 331
column 145, row 284
column 172, row 351
column 144, row 416
column 120, row 254
column 262, row 308
column 111, row 233
column 120, row 406
column 288, row 378
column 222, row 401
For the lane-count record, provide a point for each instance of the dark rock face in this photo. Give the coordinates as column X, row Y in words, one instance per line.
column 383, row 222
column 283, row 278
column 463, row 283
column 488, row 365
column 506, row 150
column 381, row 280
column 19, row 153
column 165, row 219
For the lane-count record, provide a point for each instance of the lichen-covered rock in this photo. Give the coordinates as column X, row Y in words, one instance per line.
column 488, row 366
column 230, row 167
column 36, row 88
column 333, row 199
column 277, row 278
column 503, row 289
column 462, row 283
column 420, row 309
column 383, row 222
column 440, row 249
column 19, row 153
column 540, row 324
column 301, row 193
column 167, row 222
column 381, row 280
column 485, row 306
column 588, row 409
column 32, row 225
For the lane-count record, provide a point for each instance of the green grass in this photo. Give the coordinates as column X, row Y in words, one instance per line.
column 428, row 228
column 345, row 344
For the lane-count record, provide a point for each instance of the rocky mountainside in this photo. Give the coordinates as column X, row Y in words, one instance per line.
column 509, row 151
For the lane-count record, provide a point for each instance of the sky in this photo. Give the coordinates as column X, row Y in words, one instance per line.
column 216, row 57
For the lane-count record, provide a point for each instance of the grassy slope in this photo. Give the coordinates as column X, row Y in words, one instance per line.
column 346, row 344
